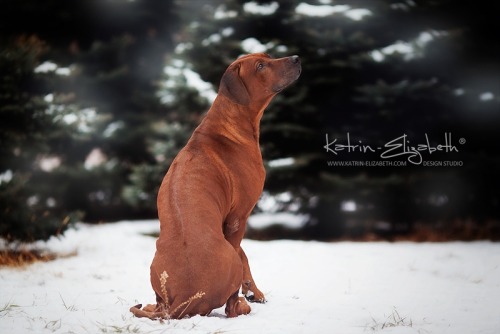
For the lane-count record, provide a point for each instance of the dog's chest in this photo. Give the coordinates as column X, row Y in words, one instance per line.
column 247, row 188
column 248, row 181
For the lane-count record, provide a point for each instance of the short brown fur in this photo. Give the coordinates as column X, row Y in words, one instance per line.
column 208, row 194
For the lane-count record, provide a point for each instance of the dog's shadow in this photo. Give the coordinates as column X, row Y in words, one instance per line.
column 217, row 314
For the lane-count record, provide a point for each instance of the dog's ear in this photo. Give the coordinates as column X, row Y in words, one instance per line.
column 232, row 87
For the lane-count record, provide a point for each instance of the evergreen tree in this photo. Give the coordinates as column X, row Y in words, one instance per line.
column 80, row 114
column 90, row 121
column 376, row 70
column 28, row 210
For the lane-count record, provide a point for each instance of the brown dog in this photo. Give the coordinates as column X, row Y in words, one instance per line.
column 209, row 192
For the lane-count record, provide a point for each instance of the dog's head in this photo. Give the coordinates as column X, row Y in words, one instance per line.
column 257, row 77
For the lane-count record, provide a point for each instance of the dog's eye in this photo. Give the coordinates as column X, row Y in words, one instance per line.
column 260, row 66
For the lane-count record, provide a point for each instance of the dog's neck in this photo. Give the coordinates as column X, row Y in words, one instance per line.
column 237, row 122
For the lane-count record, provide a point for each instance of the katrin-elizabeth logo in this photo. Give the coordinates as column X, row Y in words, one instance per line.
column 397, row 151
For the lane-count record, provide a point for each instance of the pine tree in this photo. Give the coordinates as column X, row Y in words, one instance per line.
column 86, row 108
column 91, row 122
column 28, row 210
column 374, row 69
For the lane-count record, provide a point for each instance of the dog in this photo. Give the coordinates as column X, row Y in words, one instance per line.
column 208, row 194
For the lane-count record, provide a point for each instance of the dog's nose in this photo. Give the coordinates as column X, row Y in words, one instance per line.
column 295, row 59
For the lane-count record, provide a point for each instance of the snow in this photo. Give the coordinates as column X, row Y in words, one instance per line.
column 260, row 9
column 282, row 162
column 486, row 96
column 408, row 50
column 322, row 10
column 178, row 69
column 261, row 221
column 327, row 10
column 49, row 66
column 252, row 45
column 6, row 176
column 311, row 287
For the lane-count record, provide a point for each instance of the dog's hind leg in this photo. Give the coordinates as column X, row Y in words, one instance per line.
column 236, row 306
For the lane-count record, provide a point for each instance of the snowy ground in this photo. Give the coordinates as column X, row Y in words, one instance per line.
column 312, row 287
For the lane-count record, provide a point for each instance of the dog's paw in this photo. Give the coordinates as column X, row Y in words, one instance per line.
column 252, row 293
column 255, row 297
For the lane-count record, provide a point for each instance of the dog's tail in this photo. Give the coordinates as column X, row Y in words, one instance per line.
column 149, row 311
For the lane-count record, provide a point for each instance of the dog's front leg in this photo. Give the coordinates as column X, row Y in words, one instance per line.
column 234, row 234
column 248, row 287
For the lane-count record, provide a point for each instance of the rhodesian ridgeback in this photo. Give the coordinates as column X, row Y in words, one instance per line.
column 208, row 194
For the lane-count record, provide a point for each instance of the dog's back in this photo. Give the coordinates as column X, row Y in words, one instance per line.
column 191, row 243
column 208, row 194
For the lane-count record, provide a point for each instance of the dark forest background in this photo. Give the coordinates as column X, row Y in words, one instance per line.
column 96, row 99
